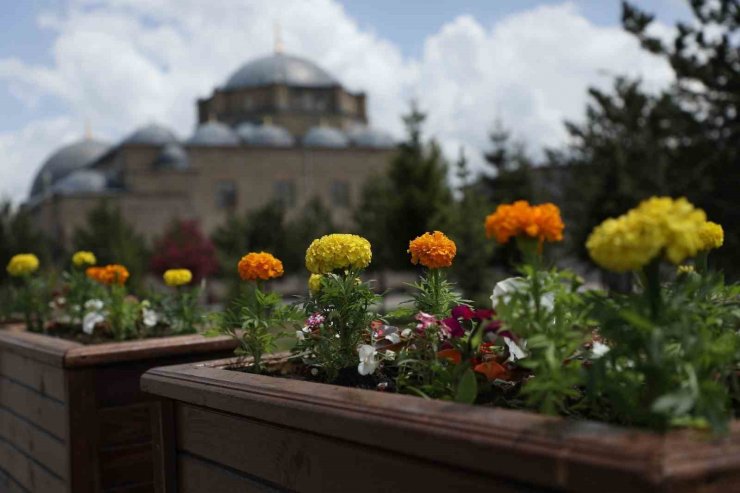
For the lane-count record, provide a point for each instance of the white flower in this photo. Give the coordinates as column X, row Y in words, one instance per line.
column 504, row 289
column 368, row 364
column 94, row 305
column 515, row 352
column 599, row 349
column 394, row 338
column 149, row 317
column 90, row 321
column 300, row 335
column 406, row 333
column 390, row 355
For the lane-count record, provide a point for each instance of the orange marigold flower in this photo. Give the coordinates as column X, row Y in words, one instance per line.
column 452, row 355
column 260, row 265
column 110, row 274
column 541, row 222
column 432, row 250
column 492, row 370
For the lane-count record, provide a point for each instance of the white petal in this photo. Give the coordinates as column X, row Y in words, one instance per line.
column 599, row 349
column 300, row 335
column 515, row 352
column 394, row 338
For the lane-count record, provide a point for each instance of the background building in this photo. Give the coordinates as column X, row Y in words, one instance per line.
column 280, row 128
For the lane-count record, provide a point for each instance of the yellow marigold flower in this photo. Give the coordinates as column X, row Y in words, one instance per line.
column 177, row 277
column 110, row 274
column 541, row 222
column 314, row 283
column 712, row 235
column 23, row 264
column 658, row 226
column 260, row 265
column 338, row 251
column 83, row 258
column 432, row 250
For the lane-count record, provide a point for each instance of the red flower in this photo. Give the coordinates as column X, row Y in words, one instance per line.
column 452, row 355
column 492, row 370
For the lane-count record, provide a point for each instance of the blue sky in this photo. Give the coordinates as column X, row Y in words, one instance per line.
column 123, row 63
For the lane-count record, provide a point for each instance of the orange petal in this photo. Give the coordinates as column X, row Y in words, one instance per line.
column 452, row 355
column 492, row 370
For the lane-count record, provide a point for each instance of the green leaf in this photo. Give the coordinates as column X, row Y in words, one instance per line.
column 467, row 388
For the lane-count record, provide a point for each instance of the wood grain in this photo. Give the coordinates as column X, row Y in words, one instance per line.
column 117, row 352
column 47, row 349
column 46, row 379
column 40, row 410
column 29, row 474
column 538, row 450
column 306, row 462
column 34, row 442
column 197, row 476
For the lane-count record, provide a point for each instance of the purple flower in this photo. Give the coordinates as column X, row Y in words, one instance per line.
column 315, row 320
column 452, row 327
column 463, row 311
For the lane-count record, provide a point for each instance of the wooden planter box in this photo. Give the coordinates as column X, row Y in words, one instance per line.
column 72, row 417
column 234, row 431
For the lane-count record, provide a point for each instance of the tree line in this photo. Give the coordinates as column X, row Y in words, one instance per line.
column 629, row 145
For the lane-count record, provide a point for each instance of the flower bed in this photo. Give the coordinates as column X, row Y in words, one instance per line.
column 235, row 431
column 72, row 417
column 663, row 357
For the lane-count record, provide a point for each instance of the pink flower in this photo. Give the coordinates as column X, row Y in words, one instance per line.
column 452, row 327
column 425, row 321
column 315, row 320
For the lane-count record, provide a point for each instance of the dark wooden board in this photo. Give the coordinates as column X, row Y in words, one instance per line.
column 34, row 442
column 28, row 473
column 46, row 379
column 197, row 475
column 529, row 448
column 42, row 411
column 50, row 350
column 310, row 463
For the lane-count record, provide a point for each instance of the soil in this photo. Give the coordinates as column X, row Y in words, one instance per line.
column 73, row 332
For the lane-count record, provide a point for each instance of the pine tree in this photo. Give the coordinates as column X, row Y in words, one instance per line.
column 409, row 200
column 705, row 55
column 512, row 168
column 113, row 240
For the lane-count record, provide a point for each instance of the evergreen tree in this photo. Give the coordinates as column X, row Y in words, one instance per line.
column 705, row 55
column 113, row 240
column 627, row 149
column 512, row 168
column 17, row 235
column 409, row 200
column 464, row 224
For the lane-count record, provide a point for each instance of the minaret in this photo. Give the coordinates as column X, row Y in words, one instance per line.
column 278, row 38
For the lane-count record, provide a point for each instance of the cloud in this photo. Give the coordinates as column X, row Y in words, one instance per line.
column 123, row 63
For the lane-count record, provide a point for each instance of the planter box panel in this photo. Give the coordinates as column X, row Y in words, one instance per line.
column 45, row 379
column 74, row 417
column 197, row 475
column 40, row 410
column 26, row 472
column 283, row 418
column 34, row 442
column 306, row 462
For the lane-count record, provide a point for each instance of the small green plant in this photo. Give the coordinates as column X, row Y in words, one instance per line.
column 180, row 305
column 30, row 293
column 257, row 317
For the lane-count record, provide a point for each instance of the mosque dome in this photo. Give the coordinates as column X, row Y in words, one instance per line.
column 270, row 135
column 246, row 130
column 83, row 180
column 172, row 156
column 152, row 134
column 371, row 137
column 214, row 134
column 325, row 137
column 280, row 68
column 66, row 160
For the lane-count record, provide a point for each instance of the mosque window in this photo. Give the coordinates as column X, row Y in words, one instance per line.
column 285, row 192
column 340, row 193
column 226, row 194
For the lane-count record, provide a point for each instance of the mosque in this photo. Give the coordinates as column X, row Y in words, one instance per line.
column 279, row 129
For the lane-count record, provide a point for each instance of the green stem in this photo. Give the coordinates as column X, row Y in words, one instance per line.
column 701, row 262
column 651, row 273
